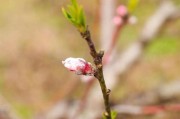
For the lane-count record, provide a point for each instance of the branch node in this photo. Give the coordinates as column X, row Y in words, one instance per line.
column 99, row 66
column 101, row 53
column 108, row 91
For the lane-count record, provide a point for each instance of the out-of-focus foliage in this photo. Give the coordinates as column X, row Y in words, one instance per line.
column 132, row 5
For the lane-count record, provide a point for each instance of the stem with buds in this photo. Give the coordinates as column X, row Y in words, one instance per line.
column 97, row 57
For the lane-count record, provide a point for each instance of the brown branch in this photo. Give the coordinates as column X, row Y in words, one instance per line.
column 97, row 57
column 106, row 60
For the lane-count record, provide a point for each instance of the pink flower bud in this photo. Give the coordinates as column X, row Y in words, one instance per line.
column 79, row 66
column 117, row 20
column 122, row 10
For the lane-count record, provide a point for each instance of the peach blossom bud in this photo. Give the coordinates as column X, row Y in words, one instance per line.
column 79, row 66
column 117, row 20
column 122, row 10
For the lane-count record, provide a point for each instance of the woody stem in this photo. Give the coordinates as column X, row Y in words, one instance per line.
column 97, row 57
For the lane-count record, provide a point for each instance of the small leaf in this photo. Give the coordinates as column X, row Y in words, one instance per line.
column 74, row 3
column 82, row 18
column 64, row 12
column 75, row 15
column 113, row 114
column 71, row 9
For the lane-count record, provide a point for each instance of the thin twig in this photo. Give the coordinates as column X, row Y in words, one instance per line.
column 106, row 57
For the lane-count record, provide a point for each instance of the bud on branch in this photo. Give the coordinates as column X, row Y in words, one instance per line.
column 74, row 13
column 79, row 66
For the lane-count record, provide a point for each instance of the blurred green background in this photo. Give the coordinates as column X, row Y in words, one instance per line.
column 35, row 38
